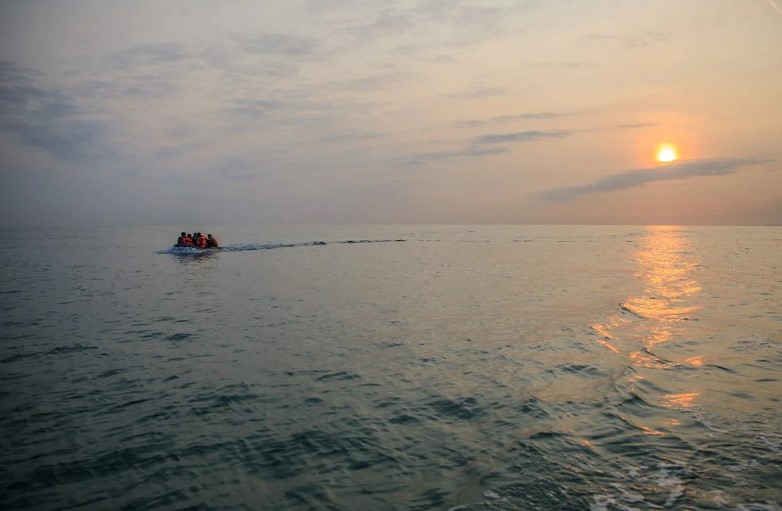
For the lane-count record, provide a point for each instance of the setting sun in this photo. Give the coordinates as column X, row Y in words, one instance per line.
column 666, row 153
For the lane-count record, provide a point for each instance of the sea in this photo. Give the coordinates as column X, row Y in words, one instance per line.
column 457, row 368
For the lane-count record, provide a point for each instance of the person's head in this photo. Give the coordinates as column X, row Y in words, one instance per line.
column 183, row 234
column 209, row 236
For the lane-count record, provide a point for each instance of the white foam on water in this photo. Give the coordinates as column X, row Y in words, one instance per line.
column 701, row 419
column 187, row 250
column 665, row 479
column 715, row 498
column 756, row 506
column 772, row 441
column 646, row 485
column 628, row 496
column 606, row 503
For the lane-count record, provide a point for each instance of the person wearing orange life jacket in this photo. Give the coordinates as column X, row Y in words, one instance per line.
column 200, row 241
column 184, row 240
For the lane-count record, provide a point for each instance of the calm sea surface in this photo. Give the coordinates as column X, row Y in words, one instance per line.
column 414, row 368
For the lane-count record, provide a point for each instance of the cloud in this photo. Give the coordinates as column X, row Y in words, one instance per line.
column 48, row 119
column 21, row 96
column 302, row 108
column 542, row 116
column 371, row 83
column 283, row 45
column 485, row 92
column 140, row 72
column 632, row 126
column 520, row 136
column 143, row 89
column 504, row 119
column 639, row 177
column 420, row 26
column 150, row 54
column 624, row 126
column 165, row 70
column 477, row 146
column 386, row 23
column 352, row 137
column 168, row 59
column 473, row 151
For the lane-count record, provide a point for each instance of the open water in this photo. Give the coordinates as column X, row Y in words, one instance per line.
column 463, row 368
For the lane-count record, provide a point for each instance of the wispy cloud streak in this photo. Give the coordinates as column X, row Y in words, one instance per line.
column 421, row 158
column 520, row 136
column 477, row 123
column 639, row 177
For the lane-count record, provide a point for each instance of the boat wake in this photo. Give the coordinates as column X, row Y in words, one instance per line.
column 241, row 247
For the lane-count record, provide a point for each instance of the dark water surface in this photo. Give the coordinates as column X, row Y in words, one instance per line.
column 466, row 368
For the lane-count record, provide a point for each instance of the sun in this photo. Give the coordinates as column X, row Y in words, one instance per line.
column 666, row 153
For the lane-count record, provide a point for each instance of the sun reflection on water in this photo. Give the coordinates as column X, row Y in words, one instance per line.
column 658, row 314
column 683, row 400
column 666, row 276
column 669, row 287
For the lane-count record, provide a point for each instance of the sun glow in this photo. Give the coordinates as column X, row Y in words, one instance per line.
column 666, row 153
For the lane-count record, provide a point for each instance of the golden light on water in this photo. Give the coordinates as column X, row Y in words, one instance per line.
column 659, row 314
column 696, row 361
column 670, row 296
column 683, row 400
column 667, row 153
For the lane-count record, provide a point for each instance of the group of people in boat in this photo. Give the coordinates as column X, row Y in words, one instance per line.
column 196, row 240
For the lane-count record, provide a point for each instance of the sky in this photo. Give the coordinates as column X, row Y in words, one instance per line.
column 190, row 112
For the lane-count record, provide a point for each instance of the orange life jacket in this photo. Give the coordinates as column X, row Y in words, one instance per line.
column 201, row 242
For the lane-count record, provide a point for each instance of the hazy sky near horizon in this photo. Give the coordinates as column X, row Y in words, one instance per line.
column 199, row 113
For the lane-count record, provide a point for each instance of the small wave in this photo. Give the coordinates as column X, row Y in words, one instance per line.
column 241, row 247
column 626, row 308
column 342, row 375
column 460, row 409
column 71, row 348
